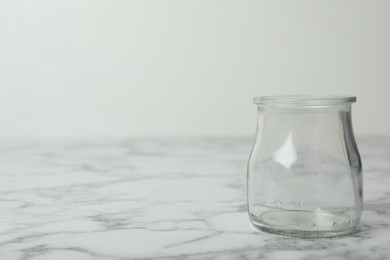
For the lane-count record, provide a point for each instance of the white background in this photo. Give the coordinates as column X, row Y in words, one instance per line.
column 95, row 68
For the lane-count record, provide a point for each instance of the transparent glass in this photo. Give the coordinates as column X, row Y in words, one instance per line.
column 305, row 172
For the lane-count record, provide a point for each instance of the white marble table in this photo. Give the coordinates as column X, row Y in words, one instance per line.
column 160, row 199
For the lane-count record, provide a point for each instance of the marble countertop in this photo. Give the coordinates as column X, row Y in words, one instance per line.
column 174, row 198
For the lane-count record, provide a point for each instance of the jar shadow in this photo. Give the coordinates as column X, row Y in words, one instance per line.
column 375, row 218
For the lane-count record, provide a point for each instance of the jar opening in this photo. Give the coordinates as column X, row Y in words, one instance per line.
column 300, row 100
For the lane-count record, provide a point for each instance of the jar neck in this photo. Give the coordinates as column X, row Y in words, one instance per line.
column 304, row 125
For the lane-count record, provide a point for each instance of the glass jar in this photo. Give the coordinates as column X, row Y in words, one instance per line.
column 305, row 173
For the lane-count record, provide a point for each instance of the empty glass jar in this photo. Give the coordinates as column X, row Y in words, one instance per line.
column 305, row 173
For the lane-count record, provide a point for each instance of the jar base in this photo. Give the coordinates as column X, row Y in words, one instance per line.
column 304, row 224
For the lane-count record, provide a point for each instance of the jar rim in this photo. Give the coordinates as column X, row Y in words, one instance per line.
column 303, row 100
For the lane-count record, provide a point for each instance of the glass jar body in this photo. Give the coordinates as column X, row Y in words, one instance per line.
column 305, row 172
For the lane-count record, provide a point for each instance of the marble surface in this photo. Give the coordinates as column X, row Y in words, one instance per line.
column 168, row 198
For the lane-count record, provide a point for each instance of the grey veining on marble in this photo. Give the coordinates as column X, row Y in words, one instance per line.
column 172, row 198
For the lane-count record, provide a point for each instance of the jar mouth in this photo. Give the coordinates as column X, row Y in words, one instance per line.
column 302, row 100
